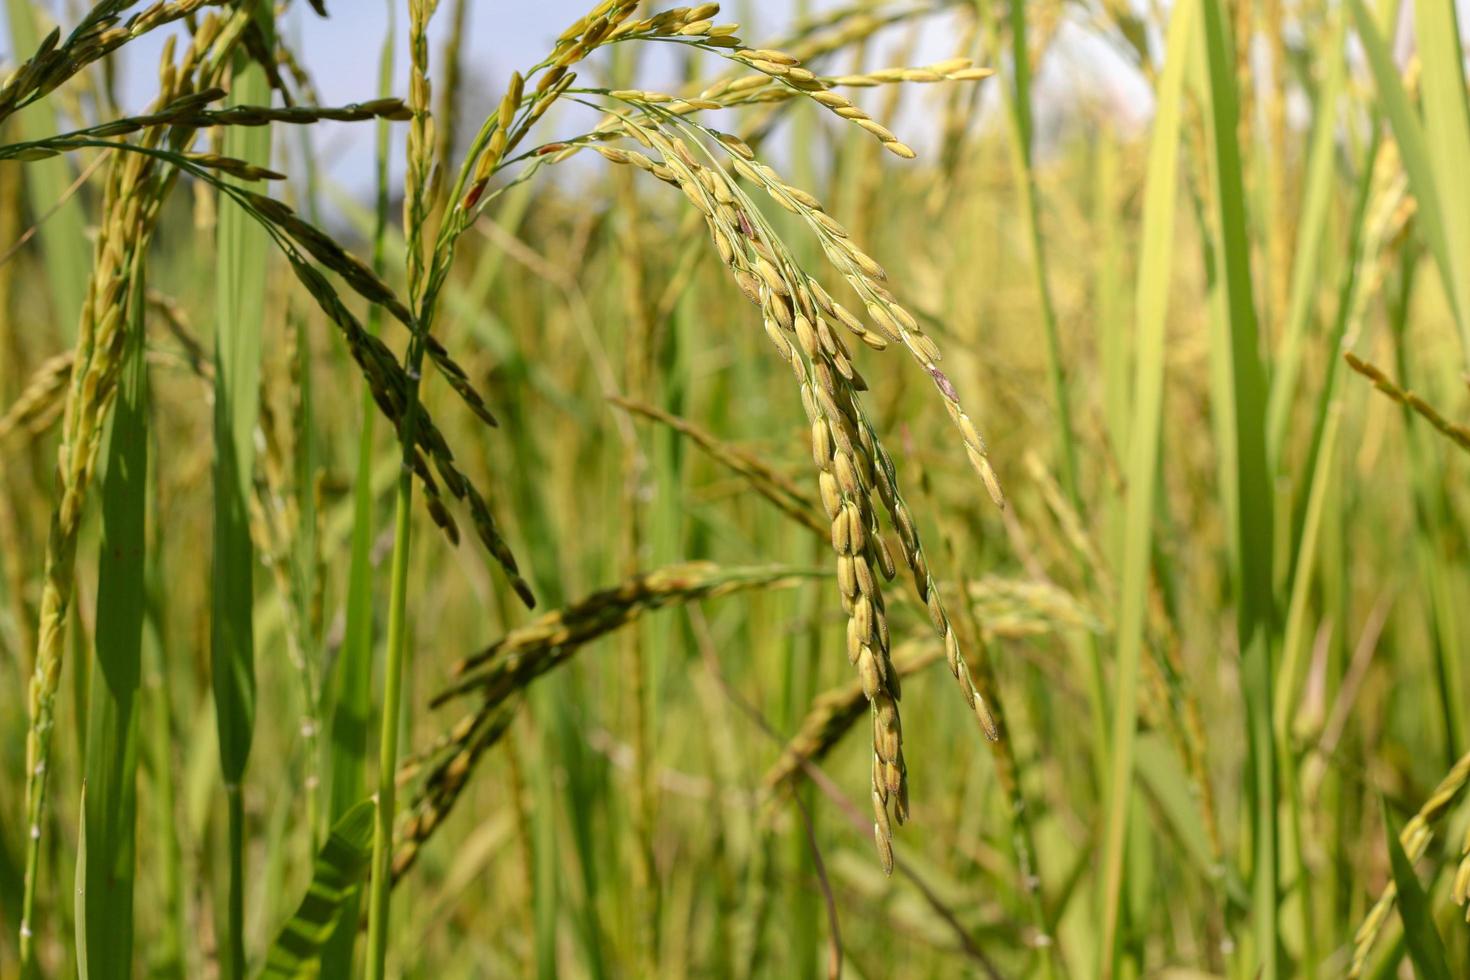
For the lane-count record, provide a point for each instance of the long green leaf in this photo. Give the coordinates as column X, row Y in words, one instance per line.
column 109, row 809
column 240, row 292
column 1311, row 228
column 1426, row 948
column 1326, row 424
column 167, row 953
column 1447, row 129
column 1419, row 163
column 1252, row 490
column 1434, row 521
column 339, row 868
column 1143, row 453
column 1295, row 642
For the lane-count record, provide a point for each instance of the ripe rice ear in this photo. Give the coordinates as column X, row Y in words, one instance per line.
column 96, row 365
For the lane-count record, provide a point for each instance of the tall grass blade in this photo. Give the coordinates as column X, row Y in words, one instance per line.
column 1446, row 109
column 1438, row 568
column 1311, row 230
column 105, row 868
column 1156, row 254
column 1421, row 937
column 167, row 950
column 1295, row 638
column 1432, row 217
column 1252, row 492
column 240, row 291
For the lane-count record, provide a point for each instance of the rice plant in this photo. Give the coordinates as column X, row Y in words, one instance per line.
column 451, row 577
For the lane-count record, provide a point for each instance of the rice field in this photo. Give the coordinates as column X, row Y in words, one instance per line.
column 881, row 488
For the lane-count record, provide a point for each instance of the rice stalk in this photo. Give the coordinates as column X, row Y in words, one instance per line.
column 416, row 216
column 444, row 783
column 1446, row 110
column 1439, row 571
column 1021, row 140
column 95, row 382
column 626, row 856
column 352, row 681
column 845, row 446
column 1310, row 232
column 446, row 121
column 283, row 527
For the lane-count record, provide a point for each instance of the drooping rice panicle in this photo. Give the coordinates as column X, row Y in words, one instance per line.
column 100, row 33
column 1457, row 433
column 40, row 401
column 851, row 461
column 507, row 666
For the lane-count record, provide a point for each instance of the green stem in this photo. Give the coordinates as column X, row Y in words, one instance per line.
column 382, row 884
column 353, row 705
column 1025, row 174
column 235, row 940
column 415, row 218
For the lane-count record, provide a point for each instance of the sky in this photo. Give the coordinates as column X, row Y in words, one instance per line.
column 341, row 53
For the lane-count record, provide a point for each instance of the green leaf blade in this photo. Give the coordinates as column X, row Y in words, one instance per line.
column 106, row 865
column 1155, row 265
column 1426, row 948
column 1447, row 133
column 241, row 287
column 338, row 869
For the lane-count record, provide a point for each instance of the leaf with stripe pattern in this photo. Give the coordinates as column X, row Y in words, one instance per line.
column 339, row 866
